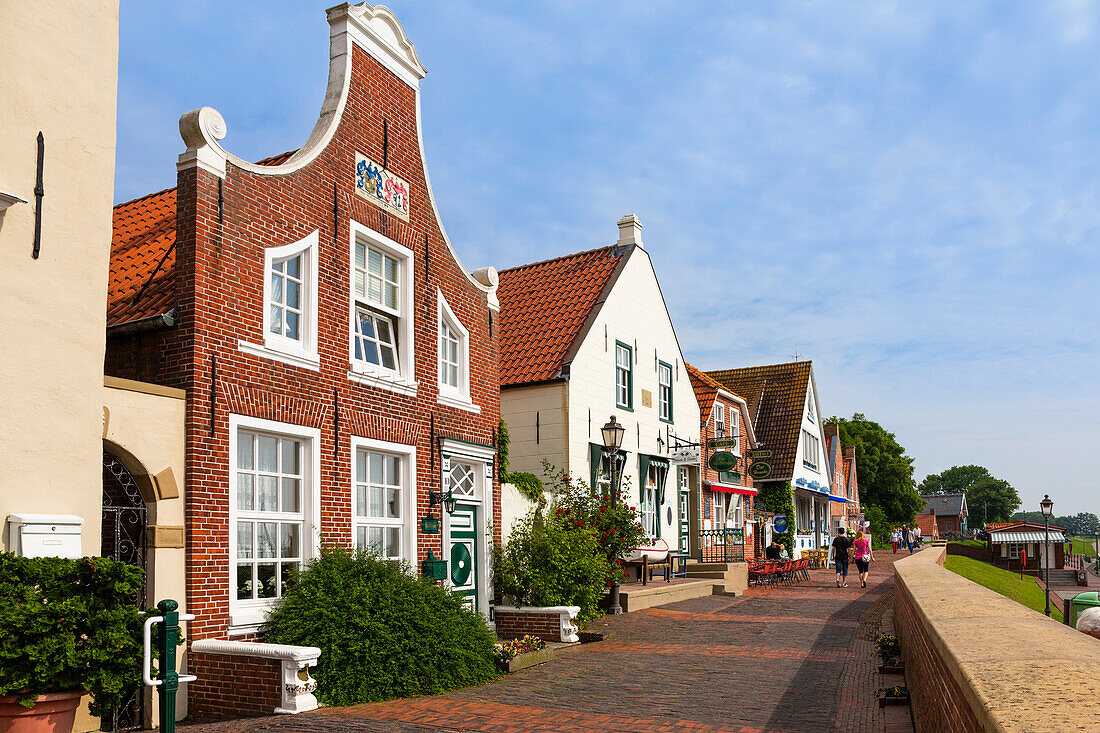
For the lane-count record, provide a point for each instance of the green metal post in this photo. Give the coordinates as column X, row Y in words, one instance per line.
column 168, row 665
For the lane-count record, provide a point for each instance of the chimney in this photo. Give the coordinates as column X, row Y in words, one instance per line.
column 630, row 231
column 850, row 452
column 831, row 429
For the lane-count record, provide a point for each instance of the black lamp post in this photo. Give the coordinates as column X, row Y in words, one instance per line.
column 612, row 439
column 1047, row 506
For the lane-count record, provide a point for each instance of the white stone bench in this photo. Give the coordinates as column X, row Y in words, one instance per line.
column 297, row 691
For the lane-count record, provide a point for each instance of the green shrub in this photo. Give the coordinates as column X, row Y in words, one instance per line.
column 383, row 632
column 553, row 561
column 69, row 625
column 528, row 484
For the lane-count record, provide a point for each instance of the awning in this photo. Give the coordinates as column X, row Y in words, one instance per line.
column 1006, row 537
column 729, row 488
column 838, row 498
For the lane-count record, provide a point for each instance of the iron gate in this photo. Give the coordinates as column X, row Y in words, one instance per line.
column 124, row 520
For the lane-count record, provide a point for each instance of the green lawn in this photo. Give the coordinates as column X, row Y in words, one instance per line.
column 1009, row 585
column 972, row 543
column 1084, row 545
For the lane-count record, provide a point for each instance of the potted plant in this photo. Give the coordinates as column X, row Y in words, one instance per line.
column 896, row 695
column 892, row 665
column 888, row 646
column 69, row 628
column 522, row 653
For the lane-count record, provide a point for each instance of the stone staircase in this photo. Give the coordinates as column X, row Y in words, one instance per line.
column 729, row 578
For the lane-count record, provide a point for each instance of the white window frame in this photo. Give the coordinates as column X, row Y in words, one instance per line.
column 408, row 521
column 734, row 429
column 719, row 420
column 449, row 395
column 626, row 389
column 245, row 616
column 298, row 352
column 650, row 512
column 718, row 506
column 664, row 406
column 810, row 450
column 737, row 508
column 810, row 407
column 403, row 378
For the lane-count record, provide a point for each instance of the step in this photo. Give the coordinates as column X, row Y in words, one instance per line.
column 715, row 574
column 659, row 593
column 690, row 566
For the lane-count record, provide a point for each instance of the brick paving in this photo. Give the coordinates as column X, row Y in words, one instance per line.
column 785, row 660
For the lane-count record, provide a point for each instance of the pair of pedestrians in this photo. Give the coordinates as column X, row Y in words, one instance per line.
column 843, row 549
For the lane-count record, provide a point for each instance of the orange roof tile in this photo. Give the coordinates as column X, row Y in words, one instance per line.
column 776, row 396
column 142, row 258
column 544, row 307
column 706, row 389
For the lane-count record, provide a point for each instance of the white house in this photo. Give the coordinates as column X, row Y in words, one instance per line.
column 586, row 337
column 783, row 401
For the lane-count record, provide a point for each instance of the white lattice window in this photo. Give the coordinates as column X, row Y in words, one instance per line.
column 289, row 305
column 379, row 500
column 735, row 430
column 461, row 480
column 810, row 449
column 375, row 339
column 454, row 359
column 664, row 391
column 649, row 511
column 720, row 420
column 624, row 376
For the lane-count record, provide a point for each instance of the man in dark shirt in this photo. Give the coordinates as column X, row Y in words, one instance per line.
column 840, row 557
column 771, row 552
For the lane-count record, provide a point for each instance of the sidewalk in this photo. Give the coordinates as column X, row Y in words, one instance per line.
column 795, row 659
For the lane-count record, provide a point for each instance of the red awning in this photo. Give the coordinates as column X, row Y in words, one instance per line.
column 729, row 488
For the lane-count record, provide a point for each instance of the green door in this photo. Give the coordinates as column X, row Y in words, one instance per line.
column 462, row 538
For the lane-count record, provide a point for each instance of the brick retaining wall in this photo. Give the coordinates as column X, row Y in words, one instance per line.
column 512, row 623
column 232, row 686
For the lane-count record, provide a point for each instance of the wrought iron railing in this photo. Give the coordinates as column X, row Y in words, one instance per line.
column 722, row 545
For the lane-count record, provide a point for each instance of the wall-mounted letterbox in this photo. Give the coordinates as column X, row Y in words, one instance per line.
column 45, row 535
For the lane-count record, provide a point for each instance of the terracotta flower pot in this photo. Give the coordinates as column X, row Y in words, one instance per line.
column 52, row 713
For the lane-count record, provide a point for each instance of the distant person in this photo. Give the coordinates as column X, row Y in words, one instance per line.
column 771, row 552
column 907, row 538
column 783, row 555
column 861, row 550
column 839, row 551
column 895, row 537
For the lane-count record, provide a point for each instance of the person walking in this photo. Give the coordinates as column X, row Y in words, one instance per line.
column 894, row 540
column 861, row 550
column 839, row 551
column 906, row 538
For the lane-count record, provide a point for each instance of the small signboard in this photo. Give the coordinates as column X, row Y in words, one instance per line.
column 760, row 470
column 682, row 456
column 722, row 461
column 446, row 464
column 723, row 442
column 381, row 187
column 760, row 454
column 780, row 523
column 429, row 525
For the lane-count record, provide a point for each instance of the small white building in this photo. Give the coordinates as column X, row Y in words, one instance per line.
column 783, row 402
column 583, row 338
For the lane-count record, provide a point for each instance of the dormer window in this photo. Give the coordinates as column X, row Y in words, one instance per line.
column 290, row 305
column 381, row 312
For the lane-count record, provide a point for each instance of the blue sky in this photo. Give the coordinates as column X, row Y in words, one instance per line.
column 906, row 192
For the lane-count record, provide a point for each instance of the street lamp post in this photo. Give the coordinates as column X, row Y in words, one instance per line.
column 1047, row 506
column 612, row 440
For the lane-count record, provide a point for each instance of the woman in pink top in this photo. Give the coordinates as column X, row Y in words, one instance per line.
column 861, row 551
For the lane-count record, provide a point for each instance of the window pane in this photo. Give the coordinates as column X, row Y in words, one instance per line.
column 293, row 293
column 361, row 501
column 392, row 542
column 265, row 581
column 385, row 335
column 374, row 289
column 244, row 581
column 291, row 495
column 376, row 468
column 276, row 319
column 289, row 449
column 289, row 541
column 392, row 475
column 360, row 256
column 376, row 501
column 244, row 539
column 391, row 296
column 244, row 450
column 393, row 503
column 245, row 492
column 276, row 288
column 359, row 280
column 360, row 537
column 265, row 539
column 391, row 269
column 293, row 266
column 389, row 359
column 375, row 262
column 267, row 494
column 452, row 375
column 289, row 577
column 361, row 466
column 292, row 320
column 267, row 447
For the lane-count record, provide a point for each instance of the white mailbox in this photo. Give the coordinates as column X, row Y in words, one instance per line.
column 45, row 535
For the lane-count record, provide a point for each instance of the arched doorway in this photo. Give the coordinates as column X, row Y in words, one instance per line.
column 123, row 539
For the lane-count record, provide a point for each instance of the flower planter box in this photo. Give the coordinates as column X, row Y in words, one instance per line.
column 885, row 700
column 892, row 668
column 530, row 659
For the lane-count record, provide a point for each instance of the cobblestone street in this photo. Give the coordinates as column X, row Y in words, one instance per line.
column 797, row 659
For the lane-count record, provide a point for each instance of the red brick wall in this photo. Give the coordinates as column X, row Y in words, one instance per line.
column 219, row 300
column 515, row 624
column 256, row 687
column 937, row 700
column 706, row 473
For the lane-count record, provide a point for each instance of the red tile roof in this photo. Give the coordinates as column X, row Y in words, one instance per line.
column 143, row 255
column 142, row 258
column 544, row 307
column 776, row 396
column 706, row 389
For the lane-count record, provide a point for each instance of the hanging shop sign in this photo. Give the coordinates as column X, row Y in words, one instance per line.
column 779, row 523
column 381, row 187
column 684, row 456
column 760, row 470
column 723, row 442
column 429, row 525
column 760, row 454
column 722, row 461
column 811, row 485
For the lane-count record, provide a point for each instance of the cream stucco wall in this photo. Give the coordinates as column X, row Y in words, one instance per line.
column 818, row 503
column 536, row 426
column 59, row 76
column 635, row 314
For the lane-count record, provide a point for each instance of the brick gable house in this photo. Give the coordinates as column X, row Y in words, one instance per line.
column 340, row 363
column 725, row 499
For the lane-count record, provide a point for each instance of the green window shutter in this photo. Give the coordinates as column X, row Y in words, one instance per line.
column 643, row 474
column 595, row 453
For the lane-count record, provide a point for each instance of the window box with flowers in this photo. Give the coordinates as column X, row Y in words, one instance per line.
column 523, row 653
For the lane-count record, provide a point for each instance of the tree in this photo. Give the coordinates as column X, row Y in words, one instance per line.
column 885, row 471
column 1083, row 524
column 988, row 498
